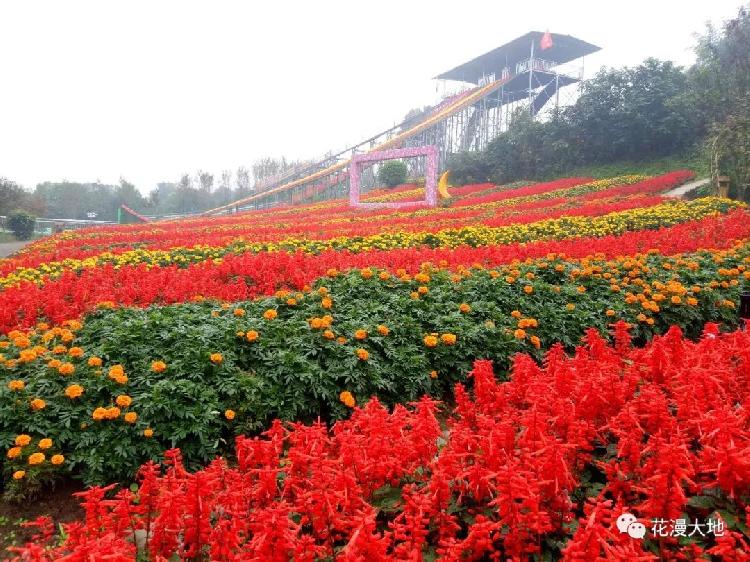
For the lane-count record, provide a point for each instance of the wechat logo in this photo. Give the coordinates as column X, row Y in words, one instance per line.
column 628, row 523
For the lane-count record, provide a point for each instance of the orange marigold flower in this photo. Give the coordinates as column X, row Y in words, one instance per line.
column 75, row 352
column 57, row 460
column 341, row 339
column 229, row 414
column 45, row 443
column 94, row 362
column 99, row 413
column 316, row 323
column 27, row 356
column 74, row 391
column 158, row 366
column 516, row 314
column 692, row 301
column 676, row 300
column 66, row 369
column 216, row 358
column 251, row 335
column 16, row 385
column 535, row 341
column 383, row 330
column 464, row 308
column 366, row 273
column 36, row 458
column 59, row 349
column 19, row 474
column 22, row 440
column 239, row 312
column 113, row 412
column 430, row 341
column 423, row 289
column 54, row 364
column 270, row 314
column 347, row 399
column 291, row 302
column 448, row 339
column 116, row 371
column 520, row 334
column 570, row 306
column 610, row 312
column 13, row 452
column 329, row 335
column 528, row 289
column 148, row 432
column 362, row 354
column 38, row 404
column 414, row 295
column 433, row 374
column 123, row 400
column 130, row 417
column 384, row 276
column 326, row 302
column 360, row 334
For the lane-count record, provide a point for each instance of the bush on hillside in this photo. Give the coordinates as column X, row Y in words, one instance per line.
column 21, row 224
column 392, row 173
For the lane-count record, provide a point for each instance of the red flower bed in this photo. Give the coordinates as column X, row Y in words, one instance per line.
column 239, row 277
column 543, row 464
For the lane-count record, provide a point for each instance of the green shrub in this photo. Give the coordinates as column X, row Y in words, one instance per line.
column 21, row 224
column 392, row 173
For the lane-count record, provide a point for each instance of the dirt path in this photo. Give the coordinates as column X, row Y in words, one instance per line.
column 685, row 188
column 8, row 248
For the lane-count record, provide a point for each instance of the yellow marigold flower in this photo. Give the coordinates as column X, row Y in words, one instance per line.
column 515, row 314
column 74, row 391
column 347, row 399
column 75, row 352
column 433, row 374
column 99, row 413
column 414, row 295
column 66, row 369
column 113, row 412
column 214, row 314
column 45, row 443
column 22, row 440
column 326, row 303
column 158, row 366
column 430, row 341
column 229, row 414
column 520, row 334
column 464, row 308
column 362, row 354
column 123, row 400
column 270, row 314
column 19, row 474
column 216, row 358
column 360, row 334
column 148, row 433
column 57, row 460
column 239, row 312
column 38, row 404
column 94, row 362
column 570, row 306
column 383, row 330
column 36, row 458
column 423, row 290
column 13, row 452
column 130, row 417
column 528, row 289
column 323, row 291
column 251, row 335
column 27, row 355
column 16, row 385
column 448, row 339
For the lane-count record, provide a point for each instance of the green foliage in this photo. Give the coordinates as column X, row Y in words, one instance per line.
column 21, row 224
column 392, row 173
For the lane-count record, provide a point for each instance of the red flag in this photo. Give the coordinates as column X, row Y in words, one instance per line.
column 546, row 41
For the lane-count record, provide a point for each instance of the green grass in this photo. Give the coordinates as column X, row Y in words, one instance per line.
column 698, row 163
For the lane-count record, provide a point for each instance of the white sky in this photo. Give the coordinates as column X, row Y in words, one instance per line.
column 149, row 90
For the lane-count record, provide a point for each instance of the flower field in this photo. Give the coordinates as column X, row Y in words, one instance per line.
column 537, row 353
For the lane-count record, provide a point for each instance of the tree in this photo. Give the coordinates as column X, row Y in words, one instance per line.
column 13, row 196
column 392, row 173
column 21, row 224
column 206, row 181
column 244, row 182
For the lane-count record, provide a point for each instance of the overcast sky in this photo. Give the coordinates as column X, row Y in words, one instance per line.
column 148, row 90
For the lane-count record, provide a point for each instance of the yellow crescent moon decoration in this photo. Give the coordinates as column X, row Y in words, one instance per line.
column 443, row 186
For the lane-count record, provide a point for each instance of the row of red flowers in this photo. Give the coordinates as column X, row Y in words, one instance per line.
column 244, row 276
column 539, row 466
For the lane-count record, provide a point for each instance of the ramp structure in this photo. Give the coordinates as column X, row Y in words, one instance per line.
column 527, row 72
